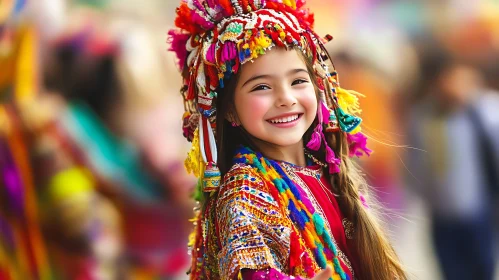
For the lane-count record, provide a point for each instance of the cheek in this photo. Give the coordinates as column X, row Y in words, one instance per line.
column 309, row 102
column 251, row 107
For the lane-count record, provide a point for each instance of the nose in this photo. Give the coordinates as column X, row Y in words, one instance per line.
column 285, row 97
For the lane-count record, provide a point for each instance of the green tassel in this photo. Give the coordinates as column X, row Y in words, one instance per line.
column 347, row 122
column 318, row 223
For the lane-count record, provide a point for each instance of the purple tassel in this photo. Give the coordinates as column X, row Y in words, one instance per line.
column 210, row 54
column 325, row 112
column 315, row 141
column 357, row 145
column 228, row 51
column 332, row 161
column 333, row 169
column 177, row 41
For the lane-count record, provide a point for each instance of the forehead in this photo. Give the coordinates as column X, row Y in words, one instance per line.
column 274, row 62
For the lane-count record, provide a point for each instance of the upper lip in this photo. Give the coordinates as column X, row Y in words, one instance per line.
column 284, row 115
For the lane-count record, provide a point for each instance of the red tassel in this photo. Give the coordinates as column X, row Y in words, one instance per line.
column 191, row 91
column 295, row 251
column 307, row 265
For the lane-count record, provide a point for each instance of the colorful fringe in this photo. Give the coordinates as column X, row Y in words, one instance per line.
column 303, row 215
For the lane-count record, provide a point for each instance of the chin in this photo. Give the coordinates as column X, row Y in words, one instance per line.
column 286, row 141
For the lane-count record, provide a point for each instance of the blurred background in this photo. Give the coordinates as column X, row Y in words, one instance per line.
column 92, row 181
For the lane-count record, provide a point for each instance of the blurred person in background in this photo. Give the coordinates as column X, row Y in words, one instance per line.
column 456, row 123
column 74, row 154
column 132, row 226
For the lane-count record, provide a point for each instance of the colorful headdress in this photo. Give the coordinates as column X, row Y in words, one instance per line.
column 215, row 37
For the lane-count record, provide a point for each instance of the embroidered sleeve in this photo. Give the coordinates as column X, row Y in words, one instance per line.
column 253, row 230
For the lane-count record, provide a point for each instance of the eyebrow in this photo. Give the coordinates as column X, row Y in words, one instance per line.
column 291, row 72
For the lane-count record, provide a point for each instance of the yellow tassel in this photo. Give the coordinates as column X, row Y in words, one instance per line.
column 186, row 114
column 192, row 239
column 194, row 220
column 348, row 100
column 194, row 163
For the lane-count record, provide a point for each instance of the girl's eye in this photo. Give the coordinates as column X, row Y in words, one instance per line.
column 299, row 81
column 260, row 87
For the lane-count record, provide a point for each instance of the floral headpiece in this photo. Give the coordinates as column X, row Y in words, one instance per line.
column 215, row 37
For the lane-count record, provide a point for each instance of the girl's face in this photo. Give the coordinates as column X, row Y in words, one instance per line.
column 275, row 99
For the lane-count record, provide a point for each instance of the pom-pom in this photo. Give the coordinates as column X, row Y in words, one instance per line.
column 315, row 140
column 357, row 145
column 177, row 40
column 319, row 223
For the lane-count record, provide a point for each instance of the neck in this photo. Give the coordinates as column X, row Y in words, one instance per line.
column 293, row 153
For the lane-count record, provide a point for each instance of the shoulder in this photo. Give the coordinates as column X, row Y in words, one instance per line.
column 244, row 183
column 242, row 175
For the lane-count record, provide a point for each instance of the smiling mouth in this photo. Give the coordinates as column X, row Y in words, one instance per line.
column 284, row 120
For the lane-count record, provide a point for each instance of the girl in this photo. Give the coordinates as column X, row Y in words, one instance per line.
column 271, row 140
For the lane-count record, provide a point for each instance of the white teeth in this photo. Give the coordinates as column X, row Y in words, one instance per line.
column 284, row 120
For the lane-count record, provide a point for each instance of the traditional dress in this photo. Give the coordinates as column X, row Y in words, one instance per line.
column 263, row 214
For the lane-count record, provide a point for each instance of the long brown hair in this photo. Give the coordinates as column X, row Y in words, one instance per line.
column 377, row 257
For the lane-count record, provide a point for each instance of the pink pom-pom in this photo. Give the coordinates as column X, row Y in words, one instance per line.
column 177, row 41
column 357, row 145
column 315, row 141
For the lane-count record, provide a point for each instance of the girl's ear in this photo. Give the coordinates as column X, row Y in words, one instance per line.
column 231, row 116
